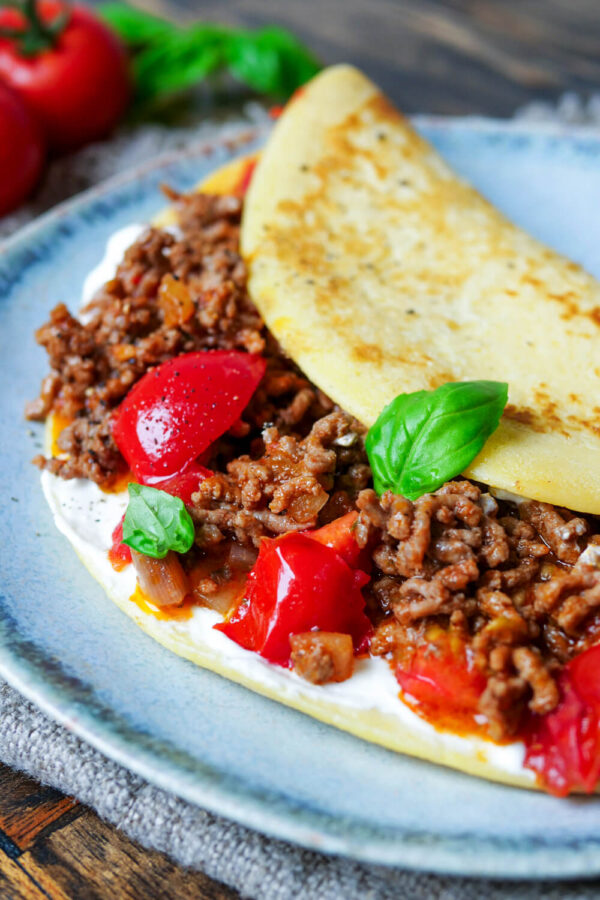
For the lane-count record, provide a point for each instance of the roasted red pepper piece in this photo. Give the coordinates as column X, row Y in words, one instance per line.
column 441, row 680
column 297, row 585
column 179, row 408
column 340, row 536
column 246, row 177
column 563, row 747
column 185, row 484
column 119, row 554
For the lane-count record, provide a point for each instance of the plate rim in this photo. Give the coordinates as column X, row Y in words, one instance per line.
column 257, row 810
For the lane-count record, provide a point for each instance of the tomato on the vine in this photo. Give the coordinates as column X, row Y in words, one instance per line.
column 69, row 68
column 21, row 150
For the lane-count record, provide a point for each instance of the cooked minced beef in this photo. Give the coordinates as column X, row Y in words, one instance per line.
column 507, row 579
column 170, row 295
column 291, row 486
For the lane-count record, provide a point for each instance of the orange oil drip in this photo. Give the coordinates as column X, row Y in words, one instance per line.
column 58, row 423
column 119, row 484
column 164, row 614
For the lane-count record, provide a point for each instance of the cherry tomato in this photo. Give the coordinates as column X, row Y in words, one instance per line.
column 339, row 535
column 119, row 554
column 442, row 681
column 178, row 409
column 297, row 584
column 563, row 747
column 21, row 150
column 77, row 86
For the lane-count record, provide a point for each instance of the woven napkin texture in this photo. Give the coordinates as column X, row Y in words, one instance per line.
column 258, row 867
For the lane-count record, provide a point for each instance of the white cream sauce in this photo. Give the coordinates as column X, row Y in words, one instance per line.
column 87, row 516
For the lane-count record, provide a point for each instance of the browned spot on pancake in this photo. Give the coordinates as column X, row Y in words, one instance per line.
column 368, row 353
column 383, row 109
column 588, row 424
column 534, row 281
column 542, row 419
column 523, row 415
column 569, row 300
column 437, row 379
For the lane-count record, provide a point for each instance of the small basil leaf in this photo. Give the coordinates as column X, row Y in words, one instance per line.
column 179, row 61
column 168, row 59
column 134, row 26
column 421, row 440
column 271, row 60
column 156, row 522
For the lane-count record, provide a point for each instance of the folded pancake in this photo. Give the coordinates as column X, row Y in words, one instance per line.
column 380, row 271
column 367, row 705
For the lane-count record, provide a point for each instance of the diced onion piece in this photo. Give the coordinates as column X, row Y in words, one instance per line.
column 306, row 507
column 219, row 579
column 175, row 301
column 220, row 597
column 322, row 656
column 163, row 581
column 123, row 352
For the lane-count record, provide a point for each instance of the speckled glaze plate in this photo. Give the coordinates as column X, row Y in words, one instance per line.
column 65, row 646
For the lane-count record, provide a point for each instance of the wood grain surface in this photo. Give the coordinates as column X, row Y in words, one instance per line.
column 53, row 847
column 437, row 56
column 459, row 56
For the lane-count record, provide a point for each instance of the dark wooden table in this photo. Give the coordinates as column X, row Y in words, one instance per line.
column 456, row 57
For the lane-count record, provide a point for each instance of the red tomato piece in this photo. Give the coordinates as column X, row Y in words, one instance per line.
column 181, row 407
column 296, row 585
column 442, row 680
column 246, row 177
column 21, row 150
column 563, row 747
column 78, row 88
column 119, row 554
column 339, row 535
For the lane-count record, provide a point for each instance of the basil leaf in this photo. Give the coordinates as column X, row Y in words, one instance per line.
column 179, row 61
column 134, row 26
column 271, row 61
column 156, row 522
column 421, row 440
column 168, row 59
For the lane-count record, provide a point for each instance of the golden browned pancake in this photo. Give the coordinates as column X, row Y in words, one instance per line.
column 380, row 271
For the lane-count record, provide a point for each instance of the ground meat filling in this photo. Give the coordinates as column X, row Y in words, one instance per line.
column 509, row 580
column 170, row 295
column 293, row 485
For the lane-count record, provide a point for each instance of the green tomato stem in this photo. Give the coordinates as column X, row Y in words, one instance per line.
column 37, row 35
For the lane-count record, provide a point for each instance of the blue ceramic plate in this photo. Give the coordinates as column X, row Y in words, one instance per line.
column 64, row 644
